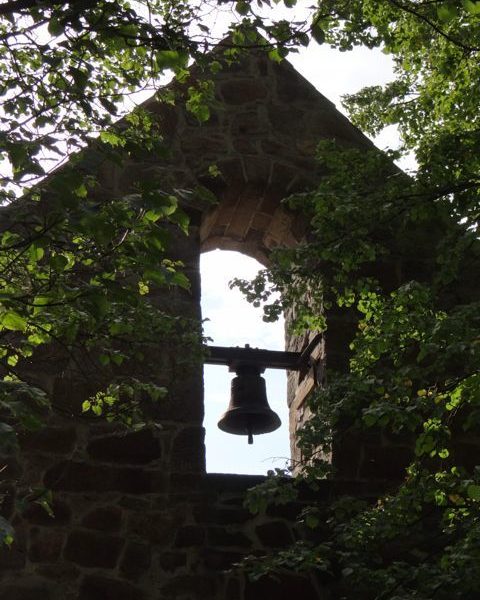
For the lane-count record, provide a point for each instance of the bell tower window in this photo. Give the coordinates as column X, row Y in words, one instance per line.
column 234, row 322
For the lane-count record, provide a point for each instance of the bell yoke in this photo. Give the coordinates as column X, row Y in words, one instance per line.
column 249, row 412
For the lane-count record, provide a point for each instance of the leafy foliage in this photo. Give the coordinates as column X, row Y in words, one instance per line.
column 399, row 254
column 80, row 273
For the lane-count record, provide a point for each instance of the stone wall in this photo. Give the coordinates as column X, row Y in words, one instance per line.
column 135, row 515
column 123, row 530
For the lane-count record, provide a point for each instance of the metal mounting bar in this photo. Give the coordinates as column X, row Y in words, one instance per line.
column 272, row 359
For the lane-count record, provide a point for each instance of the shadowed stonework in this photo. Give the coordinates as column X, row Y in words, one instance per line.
column 136, row 517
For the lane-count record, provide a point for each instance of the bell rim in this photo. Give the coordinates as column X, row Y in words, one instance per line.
column 274, row 425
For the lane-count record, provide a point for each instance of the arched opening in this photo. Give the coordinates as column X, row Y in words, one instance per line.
column 233, row 322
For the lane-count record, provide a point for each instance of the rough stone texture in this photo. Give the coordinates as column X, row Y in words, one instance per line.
column 107, row 518
column 92, row 549
column 55, row 440
column 286, row 588
column 136, row 560
column 141, row 447
column 182, row 551
column 45, row 545
column 99, row 587
column 135, row 515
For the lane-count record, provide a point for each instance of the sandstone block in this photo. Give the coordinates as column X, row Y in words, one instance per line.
column 220, row 516
column 45, row 545
column 91, row 549
column 98, row 587
column 220, row 536
column 171, row 561
column 198, row 587
column 220, row 560
column 136, row 560
column 140, row 447
column 242, row 91
column 105, row 518
column 188, row 450
column 26, row 590
column 55, row 440
column 189, row 536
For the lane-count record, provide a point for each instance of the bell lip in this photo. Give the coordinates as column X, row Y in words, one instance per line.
column 276, row 421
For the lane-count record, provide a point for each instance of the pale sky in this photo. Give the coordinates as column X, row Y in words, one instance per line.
column 233, row 322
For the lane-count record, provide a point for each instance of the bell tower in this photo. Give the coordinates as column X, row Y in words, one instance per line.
column 135, row 516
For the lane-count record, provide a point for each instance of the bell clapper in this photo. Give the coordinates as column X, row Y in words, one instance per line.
column 250, row 435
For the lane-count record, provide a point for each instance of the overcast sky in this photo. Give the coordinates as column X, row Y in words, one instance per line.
column 232, row 322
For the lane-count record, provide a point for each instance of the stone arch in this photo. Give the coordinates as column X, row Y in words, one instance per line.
column 136, row 514
column 261, row 137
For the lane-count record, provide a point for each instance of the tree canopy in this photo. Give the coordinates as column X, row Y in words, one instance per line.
column 67, row 71
column 413, row 367
column 78, row 272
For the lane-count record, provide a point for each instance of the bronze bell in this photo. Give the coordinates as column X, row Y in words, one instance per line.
column 248, row 412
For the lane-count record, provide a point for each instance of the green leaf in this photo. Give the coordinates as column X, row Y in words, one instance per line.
column 36, row 253
column 312, row 521
column 13, row 321
column 473, row 492
column 7, row 532
column 242, row 7
column 318, row 33
column 275, row 55
column 8, row 438
column 181, row 219
column 447, row 12
column 152, row 216
column 472, row 7
column 104, row 359
column 55, row 27
column 181, row 280
column 109, row 137
column 80, row 78
column 117, row 359
column 99, row 305
column 58, row 262
column 154, row 276
column 171, row 59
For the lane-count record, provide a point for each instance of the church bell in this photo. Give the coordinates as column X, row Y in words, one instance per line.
column 248, row 412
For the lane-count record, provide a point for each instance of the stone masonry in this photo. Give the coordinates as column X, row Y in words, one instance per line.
column 135, row 515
